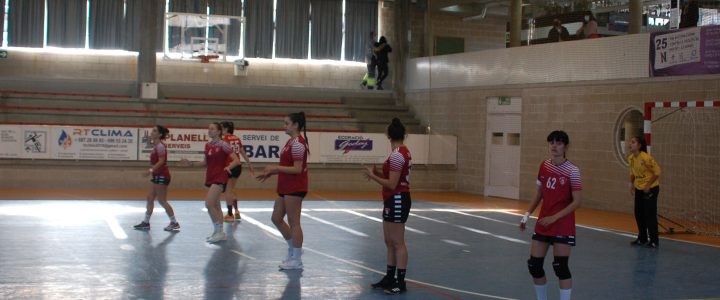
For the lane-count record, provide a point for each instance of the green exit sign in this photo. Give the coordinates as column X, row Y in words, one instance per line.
column 504, row 101
column 3, row 54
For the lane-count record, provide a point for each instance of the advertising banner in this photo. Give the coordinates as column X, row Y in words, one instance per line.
column 690, row 51
column 17, row 141
column 260, row 146
column 368, row 148
column 93, row 143
column 180, row 143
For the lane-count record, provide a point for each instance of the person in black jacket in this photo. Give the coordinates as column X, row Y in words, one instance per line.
column 558, row 33
column 690, row 14
column 381, row 50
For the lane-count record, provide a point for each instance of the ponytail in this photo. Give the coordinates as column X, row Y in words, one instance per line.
column 163, row 131
column 299, row 118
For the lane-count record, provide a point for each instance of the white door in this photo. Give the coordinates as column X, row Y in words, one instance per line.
column 502, row 159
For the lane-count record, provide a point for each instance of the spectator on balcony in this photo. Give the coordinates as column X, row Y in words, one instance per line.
column 588, row 29
column 558, row 33
column 690, row 14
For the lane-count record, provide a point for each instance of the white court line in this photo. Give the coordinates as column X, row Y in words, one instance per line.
column 117, row 231
column 243, row 254
column 474, row 216
column 358, row 233
column 257, row 223
column 429, row 219
column 456, row 243
column 267, row 228
column 408, row 228
column 502, row 237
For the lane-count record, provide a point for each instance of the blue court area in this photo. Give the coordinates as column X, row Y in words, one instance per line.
column 88, row 250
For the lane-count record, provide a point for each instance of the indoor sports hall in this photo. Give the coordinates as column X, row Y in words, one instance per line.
column 305, row 149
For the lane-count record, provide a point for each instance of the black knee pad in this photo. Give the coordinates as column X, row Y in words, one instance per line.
column 560, row 265
column 535, row 265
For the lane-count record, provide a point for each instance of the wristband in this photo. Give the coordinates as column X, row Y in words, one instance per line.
column 525, row 217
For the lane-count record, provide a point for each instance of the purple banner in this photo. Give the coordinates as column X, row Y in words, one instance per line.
column 353, row 144
column 690, row 51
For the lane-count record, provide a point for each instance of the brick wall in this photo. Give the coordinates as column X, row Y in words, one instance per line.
column 588, row 111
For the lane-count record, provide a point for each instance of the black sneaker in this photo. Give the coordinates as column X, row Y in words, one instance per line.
column 142, row 226
column 384, row 283
column 396, row 288
column 637, row 243
column 652, row 245
column 379, row 87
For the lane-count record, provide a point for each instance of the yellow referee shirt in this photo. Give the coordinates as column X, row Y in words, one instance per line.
column 643, row 167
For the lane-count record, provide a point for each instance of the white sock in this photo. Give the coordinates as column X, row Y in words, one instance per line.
column 147, row 218
column 172, row 219
column 565, row 294
column 541, row 292
column 217, row 227
column 297, row 253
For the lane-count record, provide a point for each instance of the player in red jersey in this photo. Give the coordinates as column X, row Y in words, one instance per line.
column 395, row 182
column 558, row 187
column 217, row 153
column 292, row 187
column 228, row 129
column 160, row 180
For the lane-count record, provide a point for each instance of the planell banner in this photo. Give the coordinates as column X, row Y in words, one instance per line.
column 690, row 51
column 260, row 146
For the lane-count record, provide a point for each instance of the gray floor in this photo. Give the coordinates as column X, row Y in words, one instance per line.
column 88, row 250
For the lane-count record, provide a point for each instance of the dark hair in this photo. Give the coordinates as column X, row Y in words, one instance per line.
column 643, row 144
column 163, row 131
column 382, row 40
column 230, row 126
column 299, row 118
column 558, row 136
column 396, row 130
column 217, row 125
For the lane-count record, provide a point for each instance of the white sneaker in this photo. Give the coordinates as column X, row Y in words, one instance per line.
column 217, row 237
column 292, row 264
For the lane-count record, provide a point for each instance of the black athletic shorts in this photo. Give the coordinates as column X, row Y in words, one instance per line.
column 159, row 179
column 235, row 172
column 551, row 239
column 396, row 208
column 221, row 184
column 296, row 194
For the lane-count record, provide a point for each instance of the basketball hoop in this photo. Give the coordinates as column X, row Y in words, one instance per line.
column 206, row 58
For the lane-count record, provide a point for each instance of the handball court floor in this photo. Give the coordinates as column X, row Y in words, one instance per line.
column 79, row 244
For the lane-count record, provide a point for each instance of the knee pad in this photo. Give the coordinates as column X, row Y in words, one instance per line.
column 535, row 265
column 560, row 265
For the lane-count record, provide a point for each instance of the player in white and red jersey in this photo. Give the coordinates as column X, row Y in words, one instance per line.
column 559, row 187
column 228, row 129
column 395, row 182
column 292, row 187
column 160, row 180
column 217, row 153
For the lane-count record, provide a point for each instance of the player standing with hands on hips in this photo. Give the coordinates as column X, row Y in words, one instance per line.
column 558, row 187
column 160, row 180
